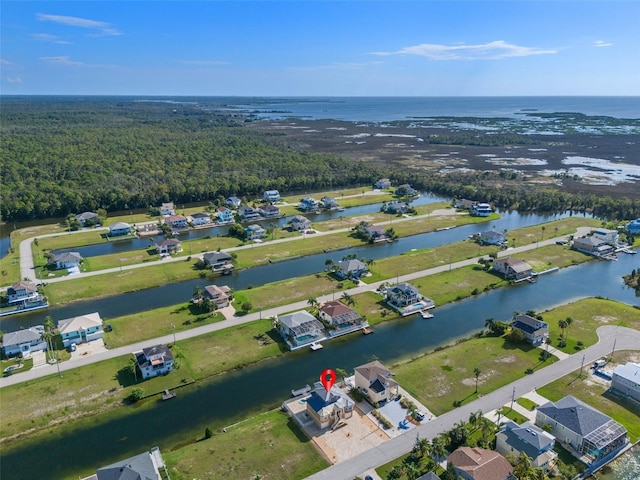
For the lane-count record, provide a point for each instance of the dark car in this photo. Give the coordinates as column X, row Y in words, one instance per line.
column 108, row 327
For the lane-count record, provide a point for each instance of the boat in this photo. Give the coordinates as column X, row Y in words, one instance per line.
column 301, row 391
column 367, row 330
column 167, row 395
column 425, row 314
column 340, row 209
column 316, row 346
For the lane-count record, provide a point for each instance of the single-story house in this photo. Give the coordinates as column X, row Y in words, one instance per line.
column 610, row 237
column 338, row 314
column 308, row 204
column 300, row 328
column 253, row 232
column 633, row 227
column 225, row 215
column 168, row 246
column 464, row 204
column 233, row 202
column 167, row 209
column 625, row 380
column 480, row 464
column 482, row 210
column 590, row 433
column 375, row 380
column 350, row 268
column 200, row 218
column 67, row 260
column 396, row 207
column 592, row 245
column 512, row 268
column 492, row 237
column 220, row 295
column 119, row 228
column 23, row 291
column 406, row 190
column 218, row 260
column 154, row 361
column 299, row 223
column 248, row 213
column 271, row 196
column 269, row 211
column 145, row 466
column 328, row 202
column 81, row 329
column 535, row 331
column 382, row 183
column 176, row 221
column 327, row 409
column 87, row 217
column 24, row 342
column 533, row 441
column 403, row 295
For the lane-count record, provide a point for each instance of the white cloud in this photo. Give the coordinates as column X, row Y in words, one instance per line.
column 602, row 43
column 62, row 60
column 4, row 62
column 102, row 28
column 486, row 51
column 14, row 80
column 45, row 37
column 204, row 63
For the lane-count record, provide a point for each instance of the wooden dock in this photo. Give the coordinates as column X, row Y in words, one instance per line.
column 167, row 395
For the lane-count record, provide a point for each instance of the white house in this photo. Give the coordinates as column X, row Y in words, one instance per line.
column 610, row 237
column 492, row 237
column 168, row 246
column 308, row 204
column 625, row 380
column 24, row 342
column 119, row 228
column 154, row 361
column 353, row 268
column 23, row 291
column 269, row 211
column 299, row 223
column 199, row 219
column 67, row 260
column 328, row 202
column 167, row 209
column 176, row 221
column 145, row 466
column 375, row 380
column 253, row 232
column 233, row 202
column 300, row 328
column 87, row 217
column 382, row 183
column 482, row 210
column 81, row 329
column 271, row 196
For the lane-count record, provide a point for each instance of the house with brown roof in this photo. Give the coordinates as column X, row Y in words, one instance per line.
column 512, row 268
column 339, row 315
column 176, row 221
column 168, row 246
column 22, row 292
column 480, row 464
column 375, row 380
column 220, row 295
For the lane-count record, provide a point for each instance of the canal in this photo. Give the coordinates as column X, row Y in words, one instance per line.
column 232, row 397
column 175, row 293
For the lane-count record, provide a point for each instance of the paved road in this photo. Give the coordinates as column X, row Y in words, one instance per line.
column 624, row 338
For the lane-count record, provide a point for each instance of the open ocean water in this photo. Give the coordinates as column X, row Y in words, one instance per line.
column 380, row 109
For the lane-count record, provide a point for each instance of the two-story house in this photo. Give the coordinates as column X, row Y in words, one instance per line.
column 269, row 211
column 535, row 331
column 220, row 295
column 168, row 246
column 253, row 232
column 625, row 380
column 167, row 209
column 328, row 409
column 249, row 214
column 199, row 219
column 480, row 464
column 176, row 222
column 376, row 381
column 382, row 184
column 233, row 202
column 299, row 223
column 339, row 315
column 22, row 292
column 154, row 361
column 119, row 228
column 218, row 260
column 308, row 204
column 403, row 295
column 81, row 329
column 271, row 196
column 88, row 218
column 350, row 268
column 225, row 215
column 533, row 441
column 512, row 268
column 24, row 342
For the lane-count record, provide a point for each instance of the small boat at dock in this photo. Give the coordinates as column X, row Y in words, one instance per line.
column 301, row 391
column 367, row 331
column 167, row 395
column 426, row 314
column 315, row 346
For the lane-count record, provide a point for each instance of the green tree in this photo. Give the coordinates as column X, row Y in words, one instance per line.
column 136, row 395
column 476, row 374
column 348, row 299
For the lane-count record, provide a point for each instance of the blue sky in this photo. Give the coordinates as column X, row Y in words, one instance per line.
column 320, row 48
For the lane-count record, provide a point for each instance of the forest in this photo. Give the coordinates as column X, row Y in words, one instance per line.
column 64, row 155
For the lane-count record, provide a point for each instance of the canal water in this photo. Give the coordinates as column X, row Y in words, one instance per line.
column 134, row 302
column 232, row 397
column 627, row 467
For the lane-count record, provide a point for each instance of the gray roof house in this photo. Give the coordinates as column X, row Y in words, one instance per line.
column 81, row 329
column 299, row 223
column 145, row 466
column 299, row 329
column 535, row 442
column 218, row 260
column 67, row 260
column 24, row 341
column 626, row 380
column 491, row 237
column 535, row 331
column 590, row 434
column 512, row 268
column 154, row 361
column 22, row 291
column 350, row 268
column 85, row 217
column 119, row 228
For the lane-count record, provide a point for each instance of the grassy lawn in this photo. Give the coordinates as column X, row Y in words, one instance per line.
column 159, row 322
column 442, row 377
column 269, row 445
column 74, row 239
column 550, row 256
column 513, row 415
column 10, row 268
column 371, row 306
column 536, row 233
column 526, row 403
column 593, row 391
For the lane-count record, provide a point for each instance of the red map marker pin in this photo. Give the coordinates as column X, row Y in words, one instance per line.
column 327, row 383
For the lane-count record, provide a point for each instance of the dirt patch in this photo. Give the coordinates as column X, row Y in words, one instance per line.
column 507, row 359
column 484, row 376
column 605, row 318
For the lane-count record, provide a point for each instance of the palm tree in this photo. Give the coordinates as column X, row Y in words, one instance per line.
column 490, row 323
column 438, row 448
column 328, row 263
column 133, row 368
column 563, row 325
column 569, row 321
column 47, row 336
column 348, row 299
column 313, row 302
column 474, row 418
column 198, row 292
column 476, row 373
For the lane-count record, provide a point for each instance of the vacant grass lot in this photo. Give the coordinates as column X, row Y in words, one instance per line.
column 270, row 446
column 442, row 377
column 593, row 391
column 533, row 234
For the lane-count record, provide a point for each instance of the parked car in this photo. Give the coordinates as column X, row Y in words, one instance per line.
column 108, row 327
column 73, row 347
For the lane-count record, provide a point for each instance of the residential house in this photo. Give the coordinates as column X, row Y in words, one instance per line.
column 233, row 202
column 176, row 222
column 482, row 210
column 119, row 228
column 633, row 227
column 220, row 295
column 375, row 233
column 492, row 237
column 218, row 260
column 339, row 315
column 406, row 191
column 167, row 209
column 396, row 207
column 253, row 232
column 300, row 328
column 593, row 245
column 328, row 409
column 535, row 331
column 168, row 246
column 512, row 268
column 328, row 202
column 308, row 204
column 225, row 215
column 428, row 476
column 382, row 184
column 271, row 196
column 22, row 292
column 81, row 329
column 403, row 295
column 350, row 268
column 299, row 223
column 269, row 211
column 88, row 218
column 145, row 466
column 67, row 260
column 249, row 214
column 464, row 204
column 375, row 380
column 590, row 433
column 533, row 441
column 625, row 380
column 480, row 464
column 610, row 237
column 199, row 219
column 24, row 342
column 154, row 361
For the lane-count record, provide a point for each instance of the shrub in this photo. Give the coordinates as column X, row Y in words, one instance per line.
column 137, row 394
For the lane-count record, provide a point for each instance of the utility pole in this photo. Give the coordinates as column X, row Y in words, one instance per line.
column 174, row 335
column 513, row 397
column 582, row 365
column 614, row 348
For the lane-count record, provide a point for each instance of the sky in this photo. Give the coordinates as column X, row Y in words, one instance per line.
column 320, row 48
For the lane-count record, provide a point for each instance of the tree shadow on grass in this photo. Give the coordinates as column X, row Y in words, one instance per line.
column 125, row 378
column 275, row 337
column 295, row 429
